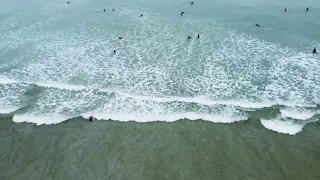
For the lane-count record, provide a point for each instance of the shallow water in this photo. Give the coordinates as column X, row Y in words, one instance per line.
column 78, row 149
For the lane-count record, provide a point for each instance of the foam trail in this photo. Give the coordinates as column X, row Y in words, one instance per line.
column 6, row 80
column 203, row 100
column 164, row 117
column 61, row 86
column 39, row 119
column 280, row 126
column 294, row 113
column 7, row 110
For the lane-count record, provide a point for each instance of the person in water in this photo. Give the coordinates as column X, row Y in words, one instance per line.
column 104, row 9
column 141, row 15
column 91, row 118
column 120, row 37
column 189, row 37
column 314, row 50
column 182, row 13
column 257, row 25
column 68, row 2
column 114, row 51
column 285, row 10
column 112, row 9
column 307, row 9
column 191, row 3
column 198, row 36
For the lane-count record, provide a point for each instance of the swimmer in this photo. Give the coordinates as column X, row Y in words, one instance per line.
column 182, row 13
column 198, row 36
column 314, row 50
column 189, row 37
column 307, row 9
column 112, row 9
column 257, row 25
column 114, row 51
column 141, row 15
column 191, row 3
column 68, row 2
column 120, row 37
column 104, row 9
column 285, row 10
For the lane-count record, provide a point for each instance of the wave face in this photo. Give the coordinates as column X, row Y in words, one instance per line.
column 61, row 65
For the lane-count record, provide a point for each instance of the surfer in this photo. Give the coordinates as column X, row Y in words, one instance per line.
column 314, row 50
column 191, row 3
column 91, row 118
column 198, row 36
column 189, row 37
column 285, row 10
column 307, row 9
column 112, row 9
column 257, row 25
column 68, row 2
column 104, row 9
column 141, row 15
column 120, row 37
column 114, row 51
column 182, row 13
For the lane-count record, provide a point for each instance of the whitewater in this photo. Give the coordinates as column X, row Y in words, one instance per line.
column 57, row 63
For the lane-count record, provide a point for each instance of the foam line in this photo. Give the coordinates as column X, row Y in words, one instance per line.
column 203, row 100
column 62, row 86
column 6, row 80
column 40, row 119
column 295, row 113
column 165, row 117
column 282, row 126
column 7, row 110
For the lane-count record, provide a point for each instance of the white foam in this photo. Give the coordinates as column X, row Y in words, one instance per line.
column 61, row 86
column 7, row 110
column 163, row 117
column 282, row 126
column 203, row 100
column 6, row 80
column 295, row 113
column 39, row 119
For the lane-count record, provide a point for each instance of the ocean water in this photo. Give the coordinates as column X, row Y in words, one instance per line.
column 57, row 61
column 232, row 97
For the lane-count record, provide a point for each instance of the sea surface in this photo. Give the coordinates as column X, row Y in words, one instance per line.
column 243, row 101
